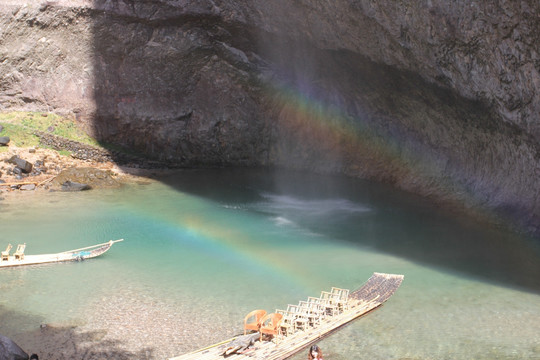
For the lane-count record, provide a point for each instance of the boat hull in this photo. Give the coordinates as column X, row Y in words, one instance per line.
column 72, row 255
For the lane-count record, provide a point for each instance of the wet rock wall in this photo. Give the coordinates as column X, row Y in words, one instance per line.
column 437, row 98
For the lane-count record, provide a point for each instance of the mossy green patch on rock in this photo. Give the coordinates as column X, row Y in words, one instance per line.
column 18, row 135
column 20, row 124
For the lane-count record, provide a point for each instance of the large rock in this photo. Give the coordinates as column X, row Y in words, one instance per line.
column 4, row 140
column 9, row 350
column 22, row 164
column 84, row 178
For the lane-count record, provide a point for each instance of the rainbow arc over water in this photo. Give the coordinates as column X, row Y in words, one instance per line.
column 324, row 136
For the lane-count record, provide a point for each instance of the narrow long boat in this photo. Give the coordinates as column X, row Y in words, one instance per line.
column 71, row 255
column 367, row 298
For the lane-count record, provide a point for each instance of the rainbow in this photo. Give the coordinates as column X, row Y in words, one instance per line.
column 204, row 229
column 314, row 133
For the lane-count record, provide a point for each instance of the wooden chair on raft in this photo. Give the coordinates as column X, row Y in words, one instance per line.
column 252, row 321
column 341, row 297
column 271, row 325
column 288, row 324
column 330, row 303
column 301, row 320
column 19, row 254
column 313, row 311
column 5, row 254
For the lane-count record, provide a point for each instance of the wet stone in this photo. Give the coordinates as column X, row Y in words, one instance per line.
column 28, row 187
column 10, row 350
column 74, row 186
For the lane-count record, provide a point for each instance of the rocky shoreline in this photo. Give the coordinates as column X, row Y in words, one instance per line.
column 86, row 167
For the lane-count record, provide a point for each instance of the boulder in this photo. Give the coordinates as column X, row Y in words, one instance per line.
column 74, row 186
column 11, row 351
column 95, row 178
column 24, row 165
column 4, row 140
column 28, row 187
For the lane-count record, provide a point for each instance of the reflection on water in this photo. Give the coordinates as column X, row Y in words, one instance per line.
column 205, row 247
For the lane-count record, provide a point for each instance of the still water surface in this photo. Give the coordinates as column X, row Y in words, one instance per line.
column 208, row 246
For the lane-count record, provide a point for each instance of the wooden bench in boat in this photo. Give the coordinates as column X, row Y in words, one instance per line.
column 370, row 296
column 5, row 254
column 19, row 253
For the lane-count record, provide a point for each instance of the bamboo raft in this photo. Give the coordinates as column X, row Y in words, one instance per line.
column 20, row 259
column 370, row 296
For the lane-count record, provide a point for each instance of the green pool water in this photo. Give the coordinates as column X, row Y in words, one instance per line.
column 204, row 247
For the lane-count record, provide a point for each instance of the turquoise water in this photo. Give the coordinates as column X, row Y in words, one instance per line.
column 202, row 248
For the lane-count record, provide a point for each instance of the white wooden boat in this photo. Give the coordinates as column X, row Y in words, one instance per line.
column 71, row 255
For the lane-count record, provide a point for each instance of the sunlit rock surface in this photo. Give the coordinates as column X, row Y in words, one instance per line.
column 439, row 98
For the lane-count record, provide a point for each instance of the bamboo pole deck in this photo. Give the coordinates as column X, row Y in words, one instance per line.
column 370, row 296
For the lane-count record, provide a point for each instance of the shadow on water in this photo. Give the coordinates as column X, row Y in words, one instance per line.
column 131, row 83
column 44, row 341
column 376, row 217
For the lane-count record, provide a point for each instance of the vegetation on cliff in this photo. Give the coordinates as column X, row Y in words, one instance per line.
column 20, row 127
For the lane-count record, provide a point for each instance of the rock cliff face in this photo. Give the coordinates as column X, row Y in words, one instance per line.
column 439, row 98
